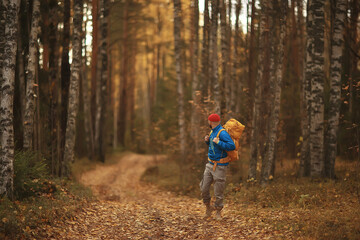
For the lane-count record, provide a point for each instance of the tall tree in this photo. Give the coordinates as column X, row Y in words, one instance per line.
column 94, row 57
column 279, row 25
column 54, row 86
column 65, row 74
column 235, row 61
column 205, row 52
column 8, row 45
column 124, row 77
column 306, row 109
column 30, row 77
column 178, row 67
column 335, row 87
column 224, row 58
column 101, row 90
column 73, row 102
column 255, row 124
column 215, row 83
column 252, row 56
column 196, row 96
column 88, row 120
column 315, row 64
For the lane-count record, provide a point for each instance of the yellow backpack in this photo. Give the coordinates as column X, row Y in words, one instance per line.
column 235, row 130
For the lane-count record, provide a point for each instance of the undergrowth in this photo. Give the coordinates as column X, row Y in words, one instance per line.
column 38, row 198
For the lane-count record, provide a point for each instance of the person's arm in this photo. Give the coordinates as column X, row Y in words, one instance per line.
column 225, row 142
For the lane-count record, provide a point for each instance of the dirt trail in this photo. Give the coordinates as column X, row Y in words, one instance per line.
column 129, row 209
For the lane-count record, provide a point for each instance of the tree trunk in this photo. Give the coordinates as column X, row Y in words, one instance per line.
column 124, row 76
column 315, row 66
column 132, row 88
column 205, row 53
column 30, row 78
column 275, row 88
column 215, row 84
column 306, row 108
column 178, row 67
column 53, row 85
column 65, row 76
column 102, row 83
column 353, row 34
column 73, row 102
column 89, row 131
column 8, row 44
column 94, row 59
column 224, row 59
column 335, row 88
column 235, row 81
column 21, row 74
column 257, row 100
column 252, row 58
column 196, row 96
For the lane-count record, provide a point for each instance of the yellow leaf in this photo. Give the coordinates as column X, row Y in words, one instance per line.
column 5, row 220
column 271, row 177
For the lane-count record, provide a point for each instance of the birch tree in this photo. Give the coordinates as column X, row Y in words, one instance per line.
column 257, row 99
column 275, row 87
column 87, row 102
column 315, row 64
column 73, row 102
column 205, row 52
column 224, row 58
column 30, row 77
column 306, row 108
column 215, row 84
column 178, row 68
column 196, row 96
column 235, row 61
column 335, row 87
column 8, row 45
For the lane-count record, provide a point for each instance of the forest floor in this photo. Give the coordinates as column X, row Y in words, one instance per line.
column 127, row 208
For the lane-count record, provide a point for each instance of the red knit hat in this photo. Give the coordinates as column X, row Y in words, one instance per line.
column 214, row 118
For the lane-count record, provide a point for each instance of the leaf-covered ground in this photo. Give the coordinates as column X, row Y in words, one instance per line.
column 129, row 209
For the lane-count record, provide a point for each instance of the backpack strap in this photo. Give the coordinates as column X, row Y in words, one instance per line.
column 218, row 134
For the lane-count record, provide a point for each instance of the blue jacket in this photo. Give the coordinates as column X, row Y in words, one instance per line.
column 218, row 151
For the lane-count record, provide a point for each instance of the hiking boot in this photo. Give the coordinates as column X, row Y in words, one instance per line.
column 209, row 210
column 218, row 214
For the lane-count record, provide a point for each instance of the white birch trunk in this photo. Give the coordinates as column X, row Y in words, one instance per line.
column 30, row 78
column 73, row 101
column 316, row 73
column 9, row 13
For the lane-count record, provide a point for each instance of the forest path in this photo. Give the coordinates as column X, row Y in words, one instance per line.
column 129, row 209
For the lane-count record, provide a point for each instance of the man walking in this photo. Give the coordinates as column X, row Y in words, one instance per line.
column 219, row 142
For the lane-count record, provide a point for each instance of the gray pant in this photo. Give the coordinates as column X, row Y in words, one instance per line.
column 218, row 178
